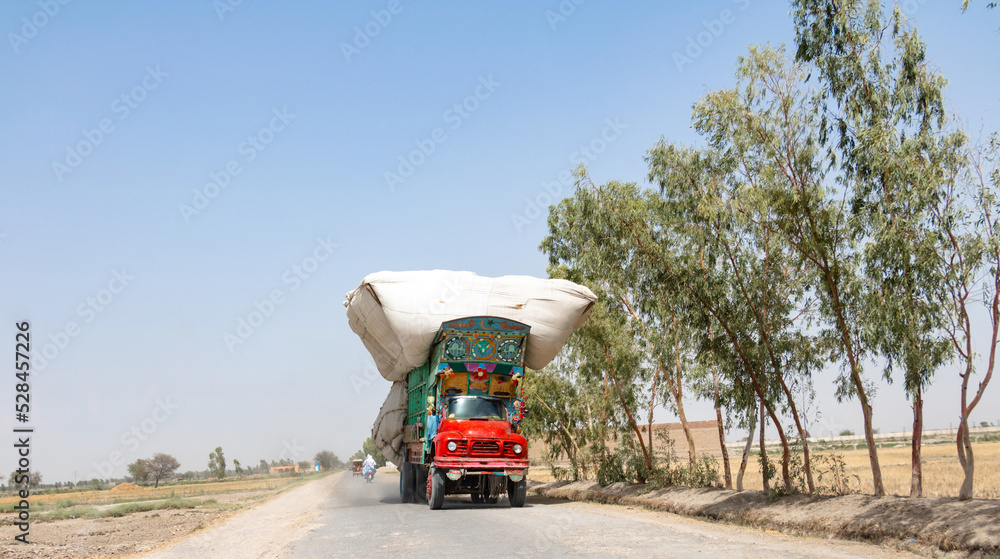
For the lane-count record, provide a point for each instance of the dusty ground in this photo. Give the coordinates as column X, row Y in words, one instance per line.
column 262, row 531
column 105, row 537
column 136, row 532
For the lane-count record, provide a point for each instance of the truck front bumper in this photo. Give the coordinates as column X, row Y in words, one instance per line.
column 456, row 468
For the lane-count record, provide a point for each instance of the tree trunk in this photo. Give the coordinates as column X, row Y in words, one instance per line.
column 763, row 452
column 803, row 436
column 786, row 477
column 722, row 432
column 966, row 459
column 631, row 418
column 692, row 456
column 746, row 452
column 916, row 475
column 852, row 360
column 677, row 388
column 872, row 449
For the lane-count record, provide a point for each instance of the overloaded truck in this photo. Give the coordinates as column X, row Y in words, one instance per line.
column 453, row 416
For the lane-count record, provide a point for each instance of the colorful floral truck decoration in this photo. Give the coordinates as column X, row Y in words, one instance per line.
column 456, row 347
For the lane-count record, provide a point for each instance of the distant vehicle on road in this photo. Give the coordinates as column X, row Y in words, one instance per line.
column 356, row 466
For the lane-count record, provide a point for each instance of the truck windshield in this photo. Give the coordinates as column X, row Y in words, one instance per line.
column 476, row 408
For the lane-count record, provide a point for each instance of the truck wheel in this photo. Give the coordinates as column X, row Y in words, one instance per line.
column 436, row 482
column 406, row 483
column 516, row 492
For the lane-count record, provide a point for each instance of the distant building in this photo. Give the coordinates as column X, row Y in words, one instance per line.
column 283, row 469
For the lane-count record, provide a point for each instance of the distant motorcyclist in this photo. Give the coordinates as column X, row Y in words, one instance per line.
column 368, row 470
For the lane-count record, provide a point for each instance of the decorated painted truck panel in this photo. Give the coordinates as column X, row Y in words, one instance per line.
column 464, row 410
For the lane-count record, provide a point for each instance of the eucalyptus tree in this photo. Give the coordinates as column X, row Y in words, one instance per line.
column 628, row 237
column 569, row 412
column 610, row 236
column 885, row 117
column 762, row 278
column 968, row 215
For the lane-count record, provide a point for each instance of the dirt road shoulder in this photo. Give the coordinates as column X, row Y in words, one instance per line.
column 259, row 531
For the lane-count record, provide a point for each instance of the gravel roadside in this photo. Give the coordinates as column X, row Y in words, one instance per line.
column 260, row 531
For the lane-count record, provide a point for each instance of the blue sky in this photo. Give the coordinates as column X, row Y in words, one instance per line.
column 123, row 122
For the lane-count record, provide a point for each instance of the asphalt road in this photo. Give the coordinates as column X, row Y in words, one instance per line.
column 358, row 519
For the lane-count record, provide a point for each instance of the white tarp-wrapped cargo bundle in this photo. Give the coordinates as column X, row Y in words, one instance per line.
column 387, row 432
column 397, row 315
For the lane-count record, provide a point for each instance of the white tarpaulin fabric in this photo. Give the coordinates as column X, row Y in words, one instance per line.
column 387, row 432
column 397, row 314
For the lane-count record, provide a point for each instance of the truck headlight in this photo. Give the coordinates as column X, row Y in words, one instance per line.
column 517, row 449
column 452, row 446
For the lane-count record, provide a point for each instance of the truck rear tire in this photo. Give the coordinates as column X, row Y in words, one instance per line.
column 406, row 483
column 436, row 497
column 516, row 492
column 419, row 483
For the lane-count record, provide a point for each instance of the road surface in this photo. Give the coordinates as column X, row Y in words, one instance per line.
column 343, row 516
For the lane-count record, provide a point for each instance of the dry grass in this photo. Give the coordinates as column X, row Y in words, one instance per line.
column 942, row 473
column 164, row 491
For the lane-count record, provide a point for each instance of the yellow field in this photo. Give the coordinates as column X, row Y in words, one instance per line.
column 163, row 492
column 942, row 473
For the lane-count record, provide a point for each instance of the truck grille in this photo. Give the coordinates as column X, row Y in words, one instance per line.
column 485, row 448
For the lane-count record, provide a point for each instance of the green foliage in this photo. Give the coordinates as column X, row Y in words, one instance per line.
column 140, row 471
column 217, row 463
column 327, row 460
column 566, row 411
column 18, row 481
column 833, row 214
column 832, row 477
column 162, row 466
